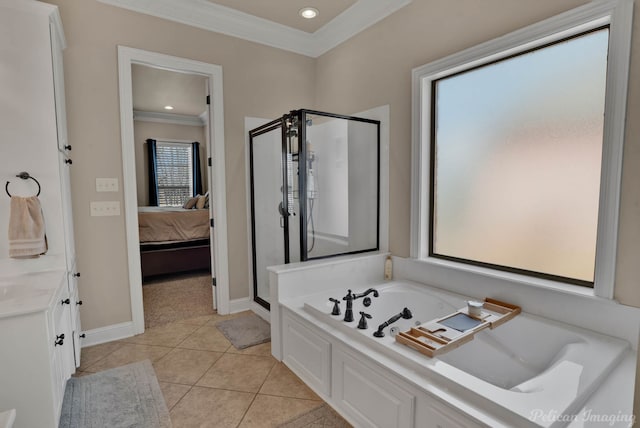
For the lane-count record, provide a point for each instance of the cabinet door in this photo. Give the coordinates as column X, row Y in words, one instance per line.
column 75, row 316
column 307, row 354
column 67, row 215
column 61, row 340
column 370, row 399
column 58, row 87
column 431, row 414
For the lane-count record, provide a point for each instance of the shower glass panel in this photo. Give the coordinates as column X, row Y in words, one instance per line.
column 268, row 232
column 342, row 185
column 314, row 199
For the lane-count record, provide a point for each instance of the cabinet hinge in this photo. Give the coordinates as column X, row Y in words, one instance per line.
column 211, row 221
column 209, row 161
column 213, row 281
column 208, row 99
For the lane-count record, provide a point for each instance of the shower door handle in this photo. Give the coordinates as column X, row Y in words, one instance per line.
column 282, row 214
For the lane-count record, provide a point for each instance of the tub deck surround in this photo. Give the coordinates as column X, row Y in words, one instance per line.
column 500, row 378
column 526, row 364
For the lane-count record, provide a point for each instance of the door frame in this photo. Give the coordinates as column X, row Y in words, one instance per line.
column 217, row 186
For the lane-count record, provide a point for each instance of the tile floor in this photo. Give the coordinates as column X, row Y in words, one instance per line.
column 206, row 381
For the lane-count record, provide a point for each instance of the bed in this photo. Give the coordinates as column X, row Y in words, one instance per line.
column 173, row 240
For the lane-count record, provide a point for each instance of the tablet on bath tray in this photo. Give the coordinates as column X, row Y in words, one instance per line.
column 461, row 322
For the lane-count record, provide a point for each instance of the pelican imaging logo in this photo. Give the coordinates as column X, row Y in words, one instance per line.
column 618, row 419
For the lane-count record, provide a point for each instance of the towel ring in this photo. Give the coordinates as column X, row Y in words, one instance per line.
column 24, row 175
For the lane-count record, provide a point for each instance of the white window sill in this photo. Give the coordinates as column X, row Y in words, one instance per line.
column 514, row 278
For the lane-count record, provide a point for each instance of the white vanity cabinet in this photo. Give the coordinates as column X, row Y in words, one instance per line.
column 39, row 311
column 37, row 347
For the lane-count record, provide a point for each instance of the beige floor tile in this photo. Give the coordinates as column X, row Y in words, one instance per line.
column 206, row 407
column 200, row 320
column 129, row 353
column 263, row 349
column 173, row 392
column 238, row 372
column 268, row 411
column 284, row 383
column 184, row 366
column 92, row 354
column 166, row 335
column 206, row 338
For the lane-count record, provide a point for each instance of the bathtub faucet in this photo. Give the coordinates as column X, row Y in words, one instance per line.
column 406, row 314
column 350, row 297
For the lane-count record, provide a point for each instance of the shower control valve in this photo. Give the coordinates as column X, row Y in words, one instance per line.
column 336, row 306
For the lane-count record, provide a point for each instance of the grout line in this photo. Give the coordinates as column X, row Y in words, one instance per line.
column 244, row 415
column 177, row 402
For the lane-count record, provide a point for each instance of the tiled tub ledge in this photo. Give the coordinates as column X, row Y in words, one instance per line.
column 529, row 372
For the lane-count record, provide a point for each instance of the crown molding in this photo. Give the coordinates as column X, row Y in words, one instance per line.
column 221, row 19
column 172, row 118
column 362, row 15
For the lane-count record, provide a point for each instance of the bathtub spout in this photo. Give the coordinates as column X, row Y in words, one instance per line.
column 366, row 293
column 406, row 314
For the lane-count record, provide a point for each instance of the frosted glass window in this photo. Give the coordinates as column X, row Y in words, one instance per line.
column 516, row 156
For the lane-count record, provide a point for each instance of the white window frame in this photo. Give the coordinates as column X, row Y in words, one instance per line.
column 618, row 14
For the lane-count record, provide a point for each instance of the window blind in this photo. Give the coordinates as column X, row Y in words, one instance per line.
column 174, row 163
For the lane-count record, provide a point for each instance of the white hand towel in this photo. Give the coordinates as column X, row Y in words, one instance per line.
column 27, row 236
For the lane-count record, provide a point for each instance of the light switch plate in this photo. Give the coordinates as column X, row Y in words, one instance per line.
column 105, row 208
column 106, row 184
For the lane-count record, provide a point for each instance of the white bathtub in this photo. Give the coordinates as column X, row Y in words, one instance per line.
column 526, row 366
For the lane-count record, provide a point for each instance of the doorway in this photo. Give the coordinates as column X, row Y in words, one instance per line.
column 174, row 193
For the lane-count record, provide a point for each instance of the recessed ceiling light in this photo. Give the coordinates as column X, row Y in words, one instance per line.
column 168, row 107
column 308, row 12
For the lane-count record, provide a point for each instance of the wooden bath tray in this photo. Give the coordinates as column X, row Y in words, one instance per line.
column 444, row 334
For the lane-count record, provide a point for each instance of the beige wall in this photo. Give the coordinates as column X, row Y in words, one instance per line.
column 374, row 68
column 258, row 82
column 144, row 130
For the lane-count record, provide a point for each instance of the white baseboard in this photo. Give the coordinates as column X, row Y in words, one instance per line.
column 107, row 334
column 261, row 312
column 239, row 305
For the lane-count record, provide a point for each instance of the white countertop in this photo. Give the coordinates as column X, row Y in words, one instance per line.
column 44, row 263
column 28, row 285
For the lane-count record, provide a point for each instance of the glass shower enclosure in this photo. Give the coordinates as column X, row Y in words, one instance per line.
column 315, row 190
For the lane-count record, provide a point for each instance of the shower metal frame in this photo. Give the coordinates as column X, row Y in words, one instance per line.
column 282, row 124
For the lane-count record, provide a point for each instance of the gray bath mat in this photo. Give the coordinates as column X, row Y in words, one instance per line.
column 321, row 417
column 127, row 396
column 245, row 331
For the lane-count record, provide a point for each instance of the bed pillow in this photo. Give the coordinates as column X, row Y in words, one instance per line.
column 200, row 202
column 191, row 202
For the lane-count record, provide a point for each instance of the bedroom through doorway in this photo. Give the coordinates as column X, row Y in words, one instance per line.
column 169, row 182
column 170, row 121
